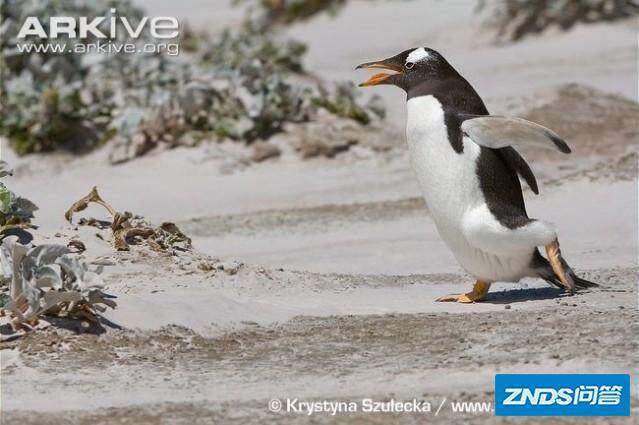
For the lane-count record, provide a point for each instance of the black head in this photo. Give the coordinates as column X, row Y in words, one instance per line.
column 411, row 68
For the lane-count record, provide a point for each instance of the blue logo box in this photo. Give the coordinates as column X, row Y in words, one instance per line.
column 562, row 395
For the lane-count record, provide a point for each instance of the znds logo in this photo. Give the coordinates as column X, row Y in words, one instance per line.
column 591, row 394
column 562, row 395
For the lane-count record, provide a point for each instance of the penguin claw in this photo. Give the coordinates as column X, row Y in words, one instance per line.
column 479, row 292
column 459, row 298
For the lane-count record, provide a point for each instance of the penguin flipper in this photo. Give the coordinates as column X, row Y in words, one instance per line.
column 518, row 164
column 484, row 232
column 495, row 131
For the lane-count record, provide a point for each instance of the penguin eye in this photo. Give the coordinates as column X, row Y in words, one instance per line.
column 409, row 65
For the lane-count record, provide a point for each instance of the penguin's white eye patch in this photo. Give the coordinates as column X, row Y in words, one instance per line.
column 417, row 55
column 409, row 65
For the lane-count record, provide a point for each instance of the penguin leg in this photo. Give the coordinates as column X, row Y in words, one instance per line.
column 554, row 258
column 479, row 292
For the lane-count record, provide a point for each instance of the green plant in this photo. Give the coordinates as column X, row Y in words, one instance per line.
column 517, row 18
column 15, row 211
column 48, row 279
column 242, row 85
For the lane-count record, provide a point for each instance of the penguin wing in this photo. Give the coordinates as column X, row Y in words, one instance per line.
column 518, row 164
column 495, row 132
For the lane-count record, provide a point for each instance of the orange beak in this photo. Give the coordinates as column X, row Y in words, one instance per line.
column 382, row 77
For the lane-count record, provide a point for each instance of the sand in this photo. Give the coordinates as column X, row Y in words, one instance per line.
column 316, row 279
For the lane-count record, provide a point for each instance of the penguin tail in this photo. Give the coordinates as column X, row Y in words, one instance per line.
column 581, row 282
column 545, row 271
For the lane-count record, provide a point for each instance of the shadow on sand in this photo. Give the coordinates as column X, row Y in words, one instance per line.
column 7, row 333
column 522, row 295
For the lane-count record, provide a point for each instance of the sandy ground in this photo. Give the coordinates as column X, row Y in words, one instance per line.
column 316, row 280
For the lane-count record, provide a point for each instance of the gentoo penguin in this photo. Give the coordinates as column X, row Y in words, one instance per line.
column 468, row 171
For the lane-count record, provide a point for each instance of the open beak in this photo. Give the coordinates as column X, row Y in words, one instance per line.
column 382, row 77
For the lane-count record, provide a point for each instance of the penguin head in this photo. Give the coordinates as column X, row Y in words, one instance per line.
column 410, row 69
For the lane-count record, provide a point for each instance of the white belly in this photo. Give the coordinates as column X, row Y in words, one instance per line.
column 451, row 189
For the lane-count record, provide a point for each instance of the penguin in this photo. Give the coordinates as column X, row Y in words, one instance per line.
column 468, row 169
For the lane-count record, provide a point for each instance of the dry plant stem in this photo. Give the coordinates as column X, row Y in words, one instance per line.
column 109, row 208
column 83, row 203
column 95, row 197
